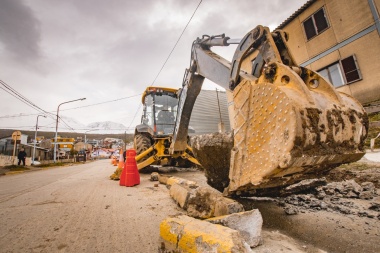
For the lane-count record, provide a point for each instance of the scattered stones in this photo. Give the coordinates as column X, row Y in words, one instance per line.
column 366, row 195
column 343, row 197
column 375, row 206
column 368, row 186
column 291, row 210
column 304, row 185
column 154, row 176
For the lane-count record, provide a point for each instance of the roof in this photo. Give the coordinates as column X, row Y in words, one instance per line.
column 296, row 14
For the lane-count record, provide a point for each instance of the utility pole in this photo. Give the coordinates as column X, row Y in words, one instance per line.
column 35, row 139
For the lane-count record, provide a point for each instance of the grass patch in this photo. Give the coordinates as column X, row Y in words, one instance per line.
column 374, row 116
column 50, row 165
column 16, row 168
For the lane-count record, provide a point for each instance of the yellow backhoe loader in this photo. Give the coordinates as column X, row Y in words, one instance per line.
column 289, row 123
column 153, row 136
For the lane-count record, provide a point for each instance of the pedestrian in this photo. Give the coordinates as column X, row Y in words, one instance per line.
column 21, row 157
column 124, row 155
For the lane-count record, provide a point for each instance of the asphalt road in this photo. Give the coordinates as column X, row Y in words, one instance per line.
column 78, row 209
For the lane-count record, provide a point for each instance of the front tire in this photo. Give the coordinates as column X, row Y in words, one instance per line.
column 141, row 143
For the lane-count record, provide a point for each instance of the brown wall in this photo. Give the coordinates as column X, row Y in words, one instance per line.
column 346, row 18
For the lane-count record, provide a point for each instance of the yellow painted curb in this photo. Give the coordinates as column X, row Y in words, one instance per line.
column 186, row 234
column 180, row 181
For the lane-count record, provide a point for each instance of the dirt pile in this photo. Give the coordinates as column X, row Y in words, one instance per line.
column 213, row 151
column 346, row 197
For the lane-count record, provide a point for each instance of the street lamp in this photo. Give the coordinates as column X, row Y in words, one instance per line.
column 56, row 126
column 35, row 138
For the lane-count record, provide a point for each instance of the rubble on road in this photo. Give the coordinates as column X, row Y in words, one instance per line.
column 208, row 203
column 154, row 176
column 304, row 185
column 346, row 197
column 202, row 202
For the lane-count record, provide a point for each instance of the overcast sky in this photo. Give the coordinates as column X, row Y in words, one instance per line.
column 55, row 51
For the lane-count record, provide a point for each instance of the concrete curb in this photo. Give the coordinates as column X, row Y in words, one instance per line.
column 203, row 202
column 181, row 181
column 186, row 234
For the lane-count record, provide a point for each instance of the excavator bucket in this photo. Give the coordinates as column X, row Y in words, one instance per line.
column 290, row 124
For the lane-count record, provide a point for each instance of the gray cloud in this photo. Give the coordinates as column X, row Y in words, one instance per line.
column 105, row 50
column 19, row 31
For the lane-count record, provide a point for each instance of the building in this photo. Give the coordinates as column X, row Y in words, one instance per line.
column 341, row 41
column 65, row 144
column 7, row 146
column 209, row 110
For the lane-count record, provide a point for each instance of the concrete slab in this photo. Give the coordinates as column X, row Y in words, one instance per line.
column 180, row 194
column 249, row 224
column 186, row 234
column 205, row 202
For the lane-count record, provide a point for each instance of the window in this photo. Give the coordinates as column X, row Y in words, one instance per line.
column 351, row 69
column 345, row 71
column 315, row 24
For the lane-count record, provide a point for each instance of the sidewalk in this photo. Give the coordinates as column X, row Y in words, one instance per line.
column 373, row 156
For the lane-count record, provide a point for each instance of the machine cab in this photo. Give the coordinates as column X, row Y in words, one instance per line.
column 160, row 109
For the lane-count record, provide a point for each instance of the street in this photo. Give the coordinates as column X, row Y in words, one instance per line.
column 78, row 209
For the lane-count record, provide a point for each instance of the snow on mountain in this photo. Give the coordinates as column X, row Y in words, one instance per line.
column 108, row 127
column 66, row 124
column 70, row 125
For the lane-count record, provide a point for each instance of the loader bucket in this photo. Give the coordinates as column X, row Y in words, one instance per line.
column 291, row 124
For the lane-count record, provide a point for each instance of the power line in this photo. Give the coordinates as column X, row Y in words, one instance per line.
column 20, row 97
column 114, row 100
column 109, row 101
column 183, row 31
column 175, row 45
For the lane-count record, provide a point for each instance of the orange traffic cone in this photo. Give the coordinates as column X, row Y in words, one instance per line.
column 122, row 177
column 121, row 160
column 132, row 176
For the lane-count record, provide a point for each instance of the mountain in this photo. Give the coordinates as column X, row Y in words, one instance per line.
column 68, row 125
column 106, row 127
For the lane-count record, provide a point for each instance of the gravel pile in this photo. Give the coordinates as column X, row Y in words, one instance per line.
column 347, row 197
